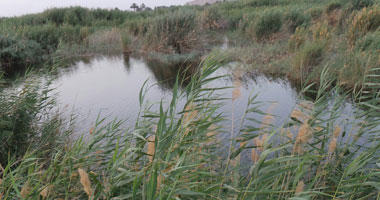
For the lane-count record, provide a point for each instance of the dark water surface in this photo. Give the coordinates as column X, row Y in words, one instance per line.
column 109, row 87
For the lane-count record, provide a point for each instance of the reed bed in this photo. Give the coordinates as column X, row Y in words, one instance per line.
column 175, row 152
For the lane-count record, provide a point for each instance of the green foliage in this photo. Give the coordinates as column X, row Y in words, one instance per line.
column 47, row 35
column 174, row 152
column 211, row 18
column 356, row 66
column 259, row 3
column 18, row 53
column 20, row 128
column 370, row 42
column 268, row 23
column 360, row 4
column 296, row 18
column 306, row 58
column 367, row 20
column 333, row 6
column 298, row 39
column 315, row 13
column 175, row 32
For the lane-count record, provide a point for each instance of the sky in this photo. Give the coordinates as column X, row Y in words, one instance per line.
column 10, row 8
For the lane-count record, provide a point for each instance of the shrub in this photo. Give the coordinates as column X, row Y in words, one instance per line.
column 16, row 53
column 259, row 3
column 360, row 4
column 211, row 18
column 315, row 13
column 268, row 24
column 77, row 16
column 370, row 42
column 309, row 56
column 356, row 66
column 333, row 6
column 365, row 21
column 55, row 15
column 296, row 18
column 47, row 36
column 21, row 126
column 299, row 37
column 320, row 31
column 173, row 32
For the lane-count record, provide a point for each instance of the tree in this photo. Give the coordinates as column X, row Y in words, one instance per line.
column 134, row 6
column 142, row 7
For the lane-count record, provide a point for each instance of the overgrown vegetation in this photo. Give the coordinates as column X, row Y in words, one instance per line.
column 320, row 152
column 249, row 24
column 175, row 152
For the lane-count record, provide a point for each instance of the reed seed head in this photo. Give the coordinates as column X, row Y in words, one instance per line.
column 44, row 193
column 236, row 93
column 304, row 133
column 85, row 181
column 25, row 190
column 151, row 147
column 300, row 187
column 337, row 131
column 190, row 113
column 332, row 145
column 299, row 115
column 254, row 156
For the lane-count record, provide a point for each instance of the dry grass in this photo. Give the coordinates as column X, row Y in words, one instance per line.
column 86, row 183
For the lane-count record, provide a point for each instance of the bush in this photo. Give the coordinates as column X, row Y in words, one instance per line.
column 296, row 18
column 55, row 15
column 78, row 16
column 308, row 57
column 360, row 4
column 259, row 3
column 365, row 21
column 173, row 32
column 370, row 42
column 320, row 31
column 333, row 6
column 268, row 24
column 21, row 126
column 315, row 13
column 298, row 39
column 356, row 66
column 16, row 53
column 47, row 36
column 211, row 18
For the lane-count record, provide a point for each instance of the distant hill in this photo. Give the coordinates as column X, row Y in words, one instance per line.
column 201, row 2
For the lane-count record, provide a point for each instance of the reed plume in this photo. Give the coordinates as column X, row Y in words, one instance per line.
column 300, row 187
column 332, row 145
column 25, row 190
column 151, row 147
column 254, row 156
column 85, row 181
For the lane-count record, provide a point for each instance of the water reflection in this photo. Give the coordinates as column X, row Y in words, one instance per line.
column 111, row 85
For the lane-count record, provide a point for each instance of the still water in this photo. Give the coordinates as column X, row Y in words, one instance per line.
column 109, row 86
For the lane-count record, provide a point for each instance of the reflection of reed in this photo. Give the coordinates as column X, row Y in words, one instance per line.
column 166, row 73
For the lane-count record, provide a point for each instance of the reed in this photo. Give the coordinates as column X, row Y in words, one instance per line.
column 180, row 158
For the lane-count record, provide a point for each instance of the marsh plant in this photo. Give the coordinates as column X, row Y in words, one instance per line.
column 175, row 152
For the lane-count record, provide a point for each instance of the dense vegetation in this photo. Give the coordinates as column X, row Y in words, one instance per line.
column 175, row 153
column 331, row 48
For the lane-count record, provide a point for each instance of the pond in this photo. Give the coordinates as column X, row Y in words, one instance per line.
column 109, row 86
